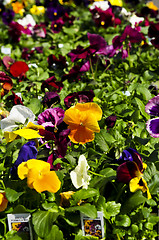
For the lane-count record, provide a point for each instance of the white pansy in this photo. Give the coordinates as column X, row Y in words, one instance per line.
column 27, row 20
column 18, row 114
column 135, row 20
column 79, row 176
column 104, row 5
column 125, row 13
column 5, row 2
column 6, row 50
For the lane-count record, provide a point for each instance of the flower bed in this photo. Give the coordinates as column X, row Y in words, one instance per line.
column 79, row 120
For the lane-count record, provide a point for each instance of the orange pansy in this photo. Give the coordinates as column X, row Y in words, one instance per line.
column 82, row 120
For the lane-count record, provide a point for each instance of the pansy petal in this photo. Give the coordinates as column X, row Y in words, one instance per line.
column 47, row 182
column 147, row 189
column 72, row 116
column 27, row 133
column 92, row 108
column 127, row 171
column 3, row 202
column 22, row 170
column 81, row 135
column 152, row 127
column 137, row 184
column 10, row 136
column 152, row 107
column 91, row 123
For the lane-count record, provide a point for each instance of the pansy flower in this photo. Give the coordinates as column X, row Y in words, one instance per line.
column 153, row 33
column 3, row 201
column 18, row 7
column 57, row 25
column 110, row 121
column 50, row 98
column 79, row 175
column 27, row 151
column 131, row 171
column 152, row 108
column 81, row 97
column 15, row 31
column 52, row 85
column 18, row 69
column 39, row 176
column 55, row 62
column 82, row 120
column 14, row 99
column 6, row 81
column 8, row 16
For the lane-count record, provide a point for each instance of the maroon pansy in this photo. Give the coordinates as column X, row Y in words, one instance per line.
column 81, row 97
column 40, row 30
column 110, row 121
column 73, row 75
column 15, row 99
column 15, row 31
column 54, row 62
column 6, row 81
column 52, row 85
column 57, row 25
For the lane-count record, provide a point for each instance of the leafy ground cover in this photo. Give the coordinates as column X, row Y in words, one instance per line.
column 79, row 117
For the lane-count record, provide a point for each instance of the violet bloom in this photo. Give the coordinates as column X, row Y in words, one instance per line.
column 8, row 16
column 54, row 12
column 152, row 108
column 51, row 117
column 82, row 96
column 40, row 30
column 51, row 98
column 27, row 151
column 128, row 154
column 55, row 129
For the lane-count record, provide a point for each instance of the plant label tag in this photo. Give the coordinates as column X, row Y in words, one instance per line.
column 20, row 222
column 93, row 227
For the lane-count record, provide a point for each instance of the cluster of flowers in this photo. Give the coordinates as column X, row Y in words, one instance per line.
column 57, row 129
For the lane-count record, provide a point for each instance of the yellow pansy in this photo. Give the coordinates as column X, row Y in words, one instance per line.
column 37, row 10
column 31, row 131
column 116, row 3
column 39, row 176
column 152, row 6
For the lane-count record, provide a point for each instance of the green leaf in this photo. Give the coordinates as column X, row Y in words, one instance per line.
column 87, row 209
column 123, row 221
column 84, row 194
column 131, row 203
column 54, row 233
column 111, row 209
column 101, row 140
column 12, row 195
column 141, row 107
column 43, row 220
column 35, row 105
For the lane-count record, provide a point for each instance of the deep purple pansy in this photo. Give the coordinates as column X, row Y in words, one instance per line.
column 110, row 121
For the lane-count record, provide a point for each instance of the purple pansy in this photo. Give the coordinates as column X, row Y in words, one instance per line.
column 51, row 117
column 152, row 108
column 27, row 151
column 50, row 98
column 129, row 154
column 57, row 25
column 110, row 121
column 8, row 16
